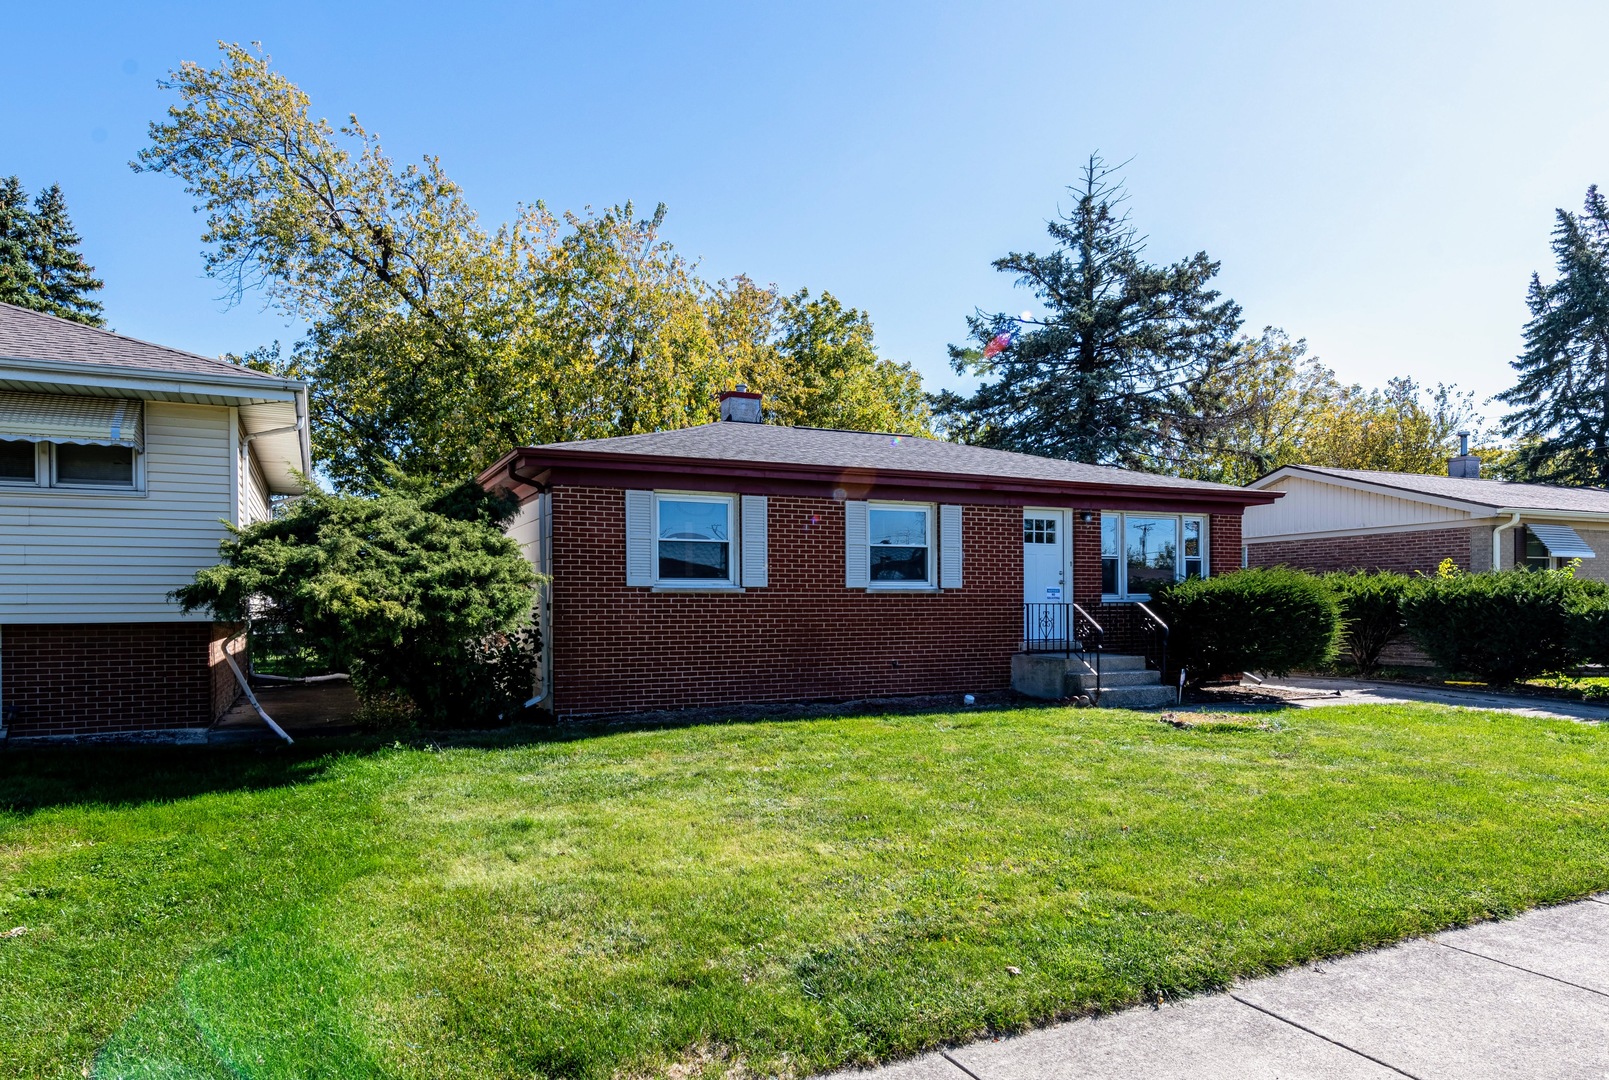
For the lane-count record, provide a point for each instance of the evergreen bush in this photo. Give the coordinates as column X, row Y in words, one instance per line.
column 1504, row 626
column 1271, row 620
column 1371, row 612
column 420, row 597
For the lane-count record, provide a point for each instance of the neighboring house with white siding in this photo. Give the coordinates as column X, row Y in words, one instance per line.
column 120, row 463
column 1344, row 519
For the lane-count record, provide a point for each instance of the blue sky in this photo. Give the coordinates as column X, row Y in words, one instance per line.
column 1378, row 178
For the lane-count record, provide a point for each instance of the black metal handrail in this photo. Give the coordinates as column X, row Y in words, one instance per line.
column 1064, row 627
column 1157, row 633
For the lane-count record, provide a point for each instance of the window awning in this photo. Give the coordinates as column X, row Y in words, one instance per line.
column 1562, row 541
column 63, row 418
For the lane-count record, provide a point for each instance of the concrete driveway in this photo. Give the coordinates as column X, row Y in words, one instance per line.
column 1524, row 998
column 1313, row 692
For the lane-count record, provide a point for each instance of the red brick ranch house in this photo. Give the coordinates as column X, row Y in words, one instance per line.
column 741, row 562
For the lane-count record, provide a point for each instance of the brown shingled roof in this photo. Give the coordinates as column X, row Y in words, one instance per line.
column 1493, row 493
column 763, row 444
column 34, row 335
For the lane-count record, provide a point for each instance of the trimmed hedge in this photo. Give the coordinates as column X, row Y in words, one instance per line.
column 1269, row 620
column 1371, row 612
column 1507, row 626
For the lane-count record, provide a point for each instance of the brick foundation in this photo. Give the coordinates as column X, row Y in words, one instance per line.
column 805, row 636
column 112, row 677
column 1406, row 552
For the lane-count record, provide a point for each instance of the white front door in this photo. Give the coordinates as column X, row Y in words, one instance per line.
column 1044, row 557
column 1045, row 575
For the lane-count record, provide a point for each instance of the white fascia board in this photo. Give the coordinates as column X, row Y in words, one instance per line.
column 243, row 387
column 1579, row 517
column 1288, row 471
column 1375, row 530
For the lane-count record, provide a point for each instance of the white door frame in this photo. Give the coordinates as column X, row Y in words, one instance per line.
column 1064, row 528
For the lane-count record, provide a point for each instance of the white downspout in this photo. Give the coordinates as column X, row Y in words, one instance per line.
column 1497, row 540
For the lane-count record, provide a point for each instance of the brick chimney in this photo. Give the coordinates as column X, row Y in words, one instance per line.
column 740, row 406
column 1465, row 466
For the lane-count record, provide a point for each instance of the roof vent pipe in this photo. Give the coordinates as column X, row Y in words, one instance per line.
column 740, row 406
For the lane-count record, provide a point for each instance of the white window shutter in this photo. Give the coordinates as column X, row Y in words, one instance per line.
column 949, row 547
column 857, row 556
column 639, row 538
column 755, row 542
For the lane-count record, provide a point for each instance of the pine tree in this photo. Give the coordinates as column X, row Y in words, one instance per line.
column 1561, row 397
column 1119, row 368
column 19, row 281
column 67, row 283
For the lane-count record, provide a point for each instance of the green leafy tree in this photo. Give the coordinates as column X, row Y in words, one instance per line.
column 417, row 595
column 1561, row 397
column 435, row 343
column 67, row 284
column 1283, row 407
column 815, row 361
column 1117, row 368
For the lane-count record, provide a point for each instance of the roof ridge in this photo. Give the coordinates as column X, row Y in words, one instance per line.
column 78, row 326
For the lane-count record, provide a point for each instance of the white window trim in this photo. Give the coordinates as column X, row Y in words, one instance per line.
column 733, row 554
column 45, row 478
column 931, row 582
column 1123, row 596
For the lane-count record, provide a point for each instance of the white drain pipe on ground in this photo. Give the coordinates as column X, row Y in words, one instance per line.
column 240, row 677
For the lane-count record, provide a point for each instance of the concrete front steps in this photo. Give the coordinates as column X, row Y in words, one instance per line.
column 1126, row 683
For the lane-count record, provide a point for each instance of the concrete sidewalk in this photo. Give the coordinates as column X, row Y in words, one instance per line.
column 1319, row 692
column 1524, row 998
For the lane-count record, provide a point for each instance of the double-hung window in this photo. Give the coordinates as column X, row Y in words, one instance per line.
column 900, row 536
column 693, row 539
column 1140, row 552
column 67, row 464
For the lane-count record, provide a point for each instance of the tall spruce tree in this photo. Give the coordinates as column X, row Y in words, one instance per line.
column 19, row 281
column 67, row 284
column 1561, row 397
column 40, row 264
column 1118, row 369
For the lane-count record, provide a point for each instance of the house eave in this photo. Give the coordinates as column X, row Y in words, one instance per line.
column 527, row 470
column 158, row 385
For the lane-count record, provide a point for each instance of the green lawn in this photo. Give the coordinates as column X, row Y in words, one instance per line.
column 776, row 897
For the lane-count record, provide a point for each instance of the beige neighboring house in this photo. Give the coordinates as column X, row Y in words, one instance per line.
column 1342, row 519
column 120, row 464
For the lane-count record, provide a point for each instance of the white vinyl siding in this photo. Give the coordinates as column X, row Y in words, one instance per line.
column 755, row 541
column 950, row 547
column 107, row 555
column 254, row 501
column 1313, row 506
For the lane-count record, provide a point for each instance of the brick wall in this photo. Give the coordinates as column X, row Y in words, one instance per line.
column 106, row 677
column 1405, row 552
column 803, row 637
column 230, row 639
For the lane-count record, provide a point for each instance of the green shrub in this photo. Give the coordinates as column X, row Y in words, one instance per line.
column 1504, row 626
column 420, row 597
column 1371, row 612
column 1251, row 620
